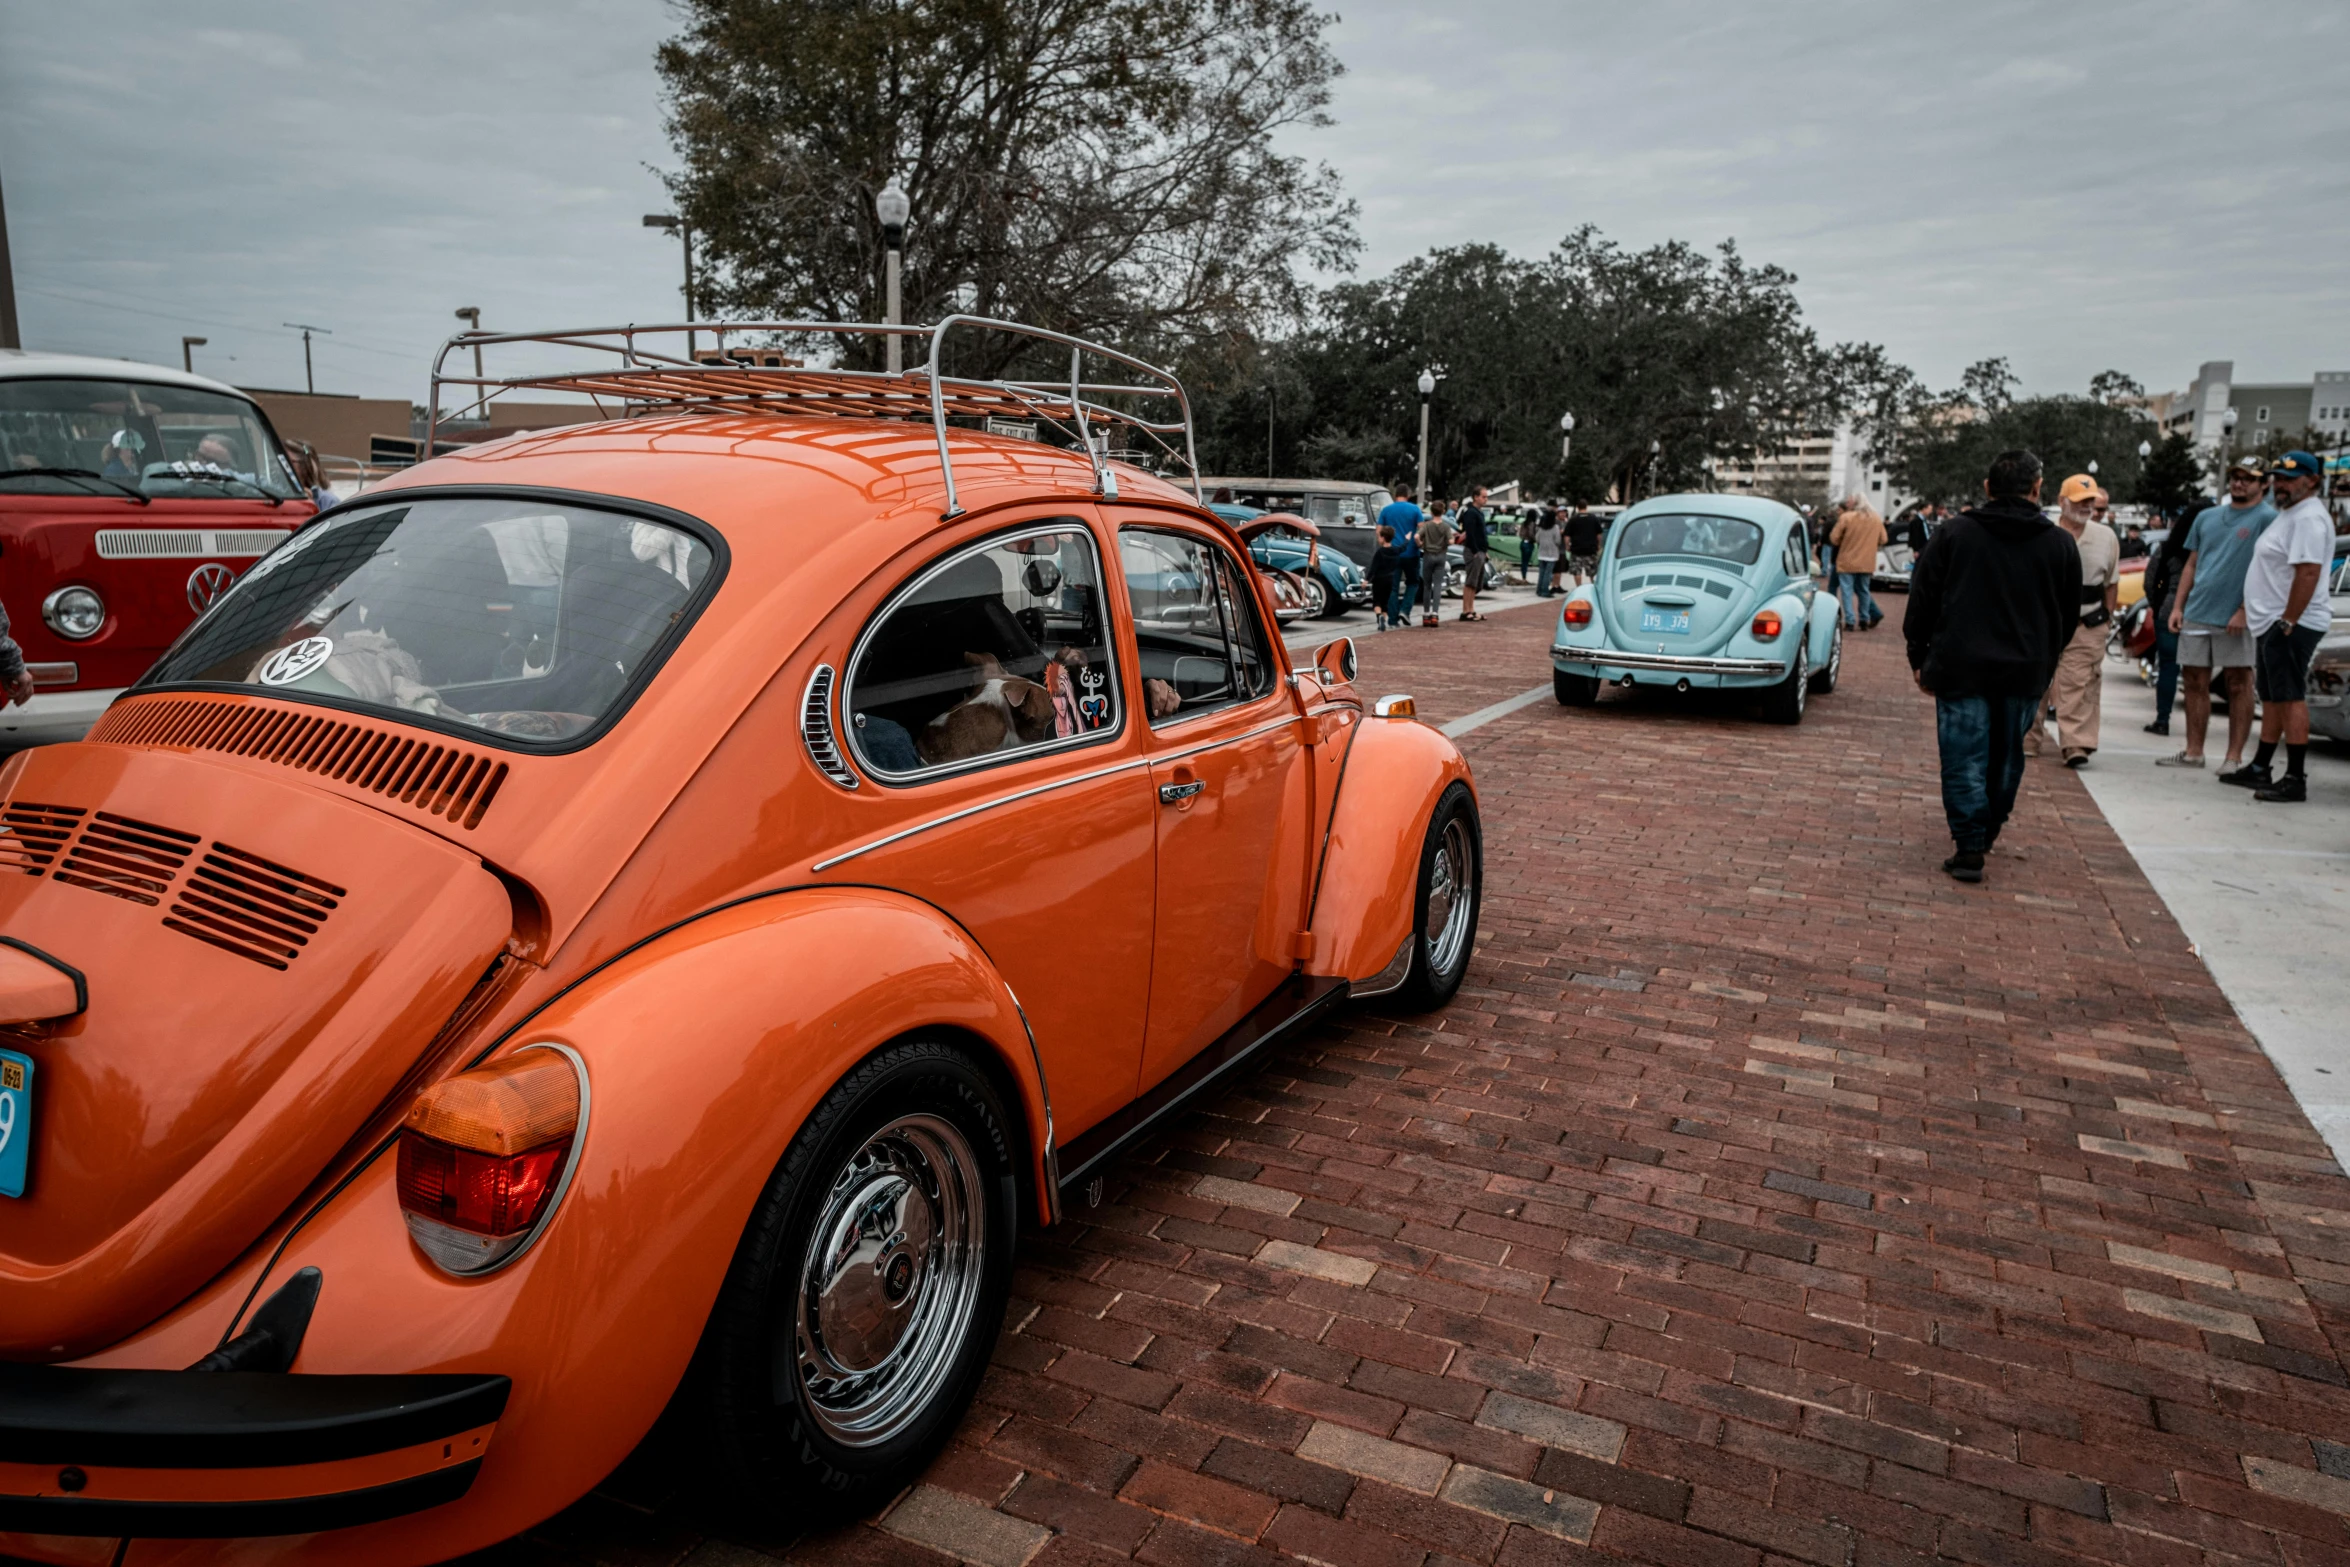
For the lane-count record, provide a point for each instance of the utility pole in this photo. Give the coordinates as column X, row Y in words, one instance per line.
column 309, row 380
column 9, row 336
column 1269, row 468
column 678, row 226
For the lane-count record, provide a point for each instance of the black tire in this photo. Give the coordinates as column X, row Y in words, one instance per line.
column 1452, row 858
column 1317, row 594
column 784, row 1436
column 1823, row 679
column 1574, row 690
column 1783, row 703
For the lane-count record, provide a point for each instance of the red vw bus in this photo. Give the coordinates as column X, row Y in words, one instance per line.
column 131, row 496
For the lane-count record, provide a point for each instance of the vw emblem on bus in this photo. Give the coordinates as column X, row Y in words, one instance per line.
column 207, row 583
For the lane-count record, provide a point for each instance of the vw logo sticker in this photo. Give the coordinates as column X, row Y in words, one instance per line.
column 207, row 583
column 289, row 664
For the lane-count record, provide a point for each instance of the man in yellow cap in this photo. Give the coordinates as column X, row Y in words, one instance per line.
column 2079, row 689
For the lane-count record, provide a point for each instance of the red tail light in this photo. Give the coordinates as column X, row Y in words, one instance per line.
column 485, row 1155
column 1767, row 626
column 1577, row 612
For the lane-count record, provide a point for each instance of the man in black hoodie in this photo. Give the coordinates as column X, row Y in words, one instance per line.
column 1992, row 603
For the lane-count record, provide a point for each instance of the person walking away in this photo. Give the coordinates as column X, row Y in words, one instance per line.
column 1858, row 535
column 1383, row 560
column 1993, row 603
column 1548, row 537
column 1583, row 545
column 1435, row 541
column 1476, row 549
column 2078, row 693
column 2163, row 568
column 1404, row 517
column 2207, row 612
column 1530, row 523
column 2288, row 612
column 1823, row 523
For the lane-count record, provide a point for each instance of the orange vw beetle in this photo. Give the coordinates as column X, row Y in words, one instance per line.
column 640, row 912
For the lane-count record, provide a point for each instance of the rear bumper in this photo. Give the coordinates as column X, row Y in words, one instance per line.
column 212, row 1455
column 52, row 716
column 1578, row 660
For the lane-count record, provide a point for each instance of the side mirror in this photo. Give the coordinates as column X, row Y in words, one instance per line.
column 1336, row 660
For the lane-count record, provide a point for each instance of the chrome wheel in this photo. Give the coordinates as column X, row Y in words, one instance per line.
column 891, row 1280
column 1317, row 597
column 1452, row 900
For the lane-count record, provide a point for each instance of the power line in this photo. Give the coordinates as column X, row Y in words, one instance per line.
column 410, row 356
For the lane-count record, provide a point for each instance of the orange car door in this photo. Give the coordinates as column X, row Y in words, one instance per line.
column 1039, row 842
column 1229, row 771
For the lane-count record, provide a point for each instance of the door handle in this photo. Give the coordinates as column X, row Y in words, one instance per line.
column 1175, row 793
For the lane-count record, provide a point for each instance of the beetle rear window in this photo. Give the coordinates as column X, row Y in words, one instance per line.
column 1672, row 533
column 520, row 617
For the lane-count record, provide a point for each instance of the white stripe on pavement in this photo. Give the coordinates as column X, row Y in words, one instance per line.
column 1486, row 715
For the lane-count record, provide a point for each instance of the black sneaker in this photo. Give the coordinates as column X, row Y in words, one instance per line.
column 1965, row 865
column 2158, row 729
column 2291, row 789
column 2249, row 776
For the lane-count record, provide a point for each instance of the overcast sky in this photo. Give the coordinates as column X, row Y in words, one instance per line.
column 2077, row 186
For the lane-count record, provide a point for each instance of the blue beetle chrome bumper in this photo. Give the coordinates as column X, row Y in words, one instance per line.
column 1591, row 659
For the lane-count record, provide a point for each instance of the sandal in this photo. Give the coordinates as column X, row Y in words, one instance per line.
column 1465, row 616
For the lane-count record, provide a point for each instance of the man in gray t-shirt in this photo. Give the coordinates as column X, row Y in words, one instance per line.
column 2207, row 612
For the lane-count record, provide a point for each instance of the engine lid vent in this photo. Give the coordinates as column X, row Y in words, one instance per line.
column 441, row 779
column 126, row 858
column 250, row 906
column 31, row 836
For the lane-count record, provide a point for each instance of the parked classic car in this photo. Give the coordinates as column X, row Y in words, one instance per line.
column 2329, row 669
column 1702, row 591
column 130, row 497
column 1329, row 582
column 1347, row 512
column 637, row 913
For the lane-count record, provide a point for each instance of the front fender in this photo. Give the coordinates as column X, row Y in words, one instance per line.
column 706, row 1049
column 1363, row 896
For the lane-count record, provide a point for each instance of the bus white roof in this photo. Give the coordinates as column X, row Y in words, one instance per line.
column 25, row 364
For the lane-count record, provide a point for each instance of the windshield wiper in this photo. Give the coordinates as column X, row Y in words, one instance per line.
column 215, row 476
column 75, row 473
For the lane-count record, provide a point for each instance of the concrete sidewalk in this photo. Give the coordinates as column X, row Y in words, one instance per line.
column 2263, row 891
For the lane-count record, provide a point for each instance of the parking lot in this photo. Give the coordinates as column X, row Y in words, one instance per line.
column 1765, row 1197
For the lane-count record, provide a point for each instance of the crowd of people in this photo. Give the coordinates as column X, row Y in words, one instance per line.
column 1410, row 566
column 2007, row 623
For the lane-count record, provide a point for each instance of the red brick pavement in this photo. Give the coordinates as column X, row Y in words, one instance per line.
column 1765, row 1198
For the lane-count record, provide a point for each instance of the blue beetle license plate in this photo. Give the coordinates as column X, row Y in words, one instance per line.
column 1665, row 620
column 16, row 1121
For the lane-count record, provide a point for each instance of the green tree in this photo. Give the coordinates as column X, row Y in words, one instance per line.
column 2172, row 479
column 1104, row 167
column 1941, row 446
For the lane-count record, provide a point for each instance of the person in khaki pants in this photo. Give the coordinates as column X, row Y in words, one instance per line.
column 2078, row 692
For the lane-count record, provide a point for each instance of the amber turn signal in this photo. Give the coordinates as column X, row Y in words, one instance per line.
column 1577, row 612
column 1767, row 625
column 484, row 1156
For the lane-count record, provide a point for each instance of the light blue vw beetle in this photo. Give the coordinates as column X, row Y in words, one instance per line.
column 1702, row 591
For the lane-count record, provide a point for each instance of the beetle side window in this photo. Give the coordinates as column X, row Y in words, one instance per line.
column 1792, row 556
column 999, row 651
column 1195, row 625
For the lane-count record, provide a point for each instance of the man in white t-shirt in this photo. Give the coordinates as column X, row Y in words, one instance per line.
column 2078, row 692
column 2287, row 612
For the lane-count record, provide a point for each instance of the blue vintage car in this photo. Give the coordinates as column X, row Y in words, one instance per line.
column 1701, row 591
column 1332, row 583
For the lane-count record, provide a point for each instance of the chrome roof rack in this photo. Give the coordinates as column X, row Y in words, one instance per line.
column 633, row 376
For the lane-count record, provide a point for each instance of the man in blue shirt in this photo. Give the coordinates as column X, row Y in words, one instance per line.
column 2207, row 612
column 1404, row 517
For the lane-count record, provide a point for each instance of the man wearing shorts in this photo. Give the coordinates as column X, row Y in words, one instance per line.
column 1583, row 545
column 2207, row 612
column 2287, row 611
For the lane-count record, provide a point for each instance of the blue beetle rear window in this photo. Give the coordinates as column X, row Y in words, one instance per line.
column 1672, row 533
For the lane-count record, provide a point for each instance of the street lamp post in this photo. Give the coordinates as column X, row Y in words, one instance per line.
column 187, row 356
column 1566, row 436
column 471, row 316
column 2227, row 442
column 684, row 231
column 1427, row 385
column 893, row 208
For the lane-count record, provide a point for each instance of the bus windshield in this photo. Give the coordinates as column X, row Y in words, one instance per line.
column 83, row 437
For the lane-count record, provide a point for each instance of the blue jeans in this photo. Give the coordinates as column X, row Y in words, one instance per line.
column 1982, row 743
column 1407, row 588
column 1852, row 591
column 2166, row 673
column 1548, row 570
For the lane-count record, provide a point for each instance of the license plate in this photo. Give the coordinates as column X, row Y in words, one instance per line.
column 1665, row 620
column 16, row 1121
